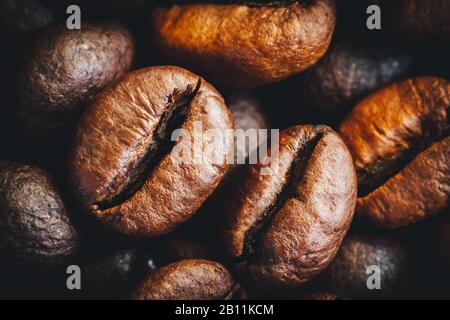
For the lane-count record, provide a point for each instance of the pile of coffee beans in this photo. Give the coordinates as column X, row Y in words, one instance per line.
column 224, row 149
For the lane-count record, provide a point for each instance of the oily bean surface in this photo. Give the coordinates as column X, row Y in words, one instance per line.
column 399, row 141
column 122, row 166
column 191, row 279
column 243, row 45
column 284, row 227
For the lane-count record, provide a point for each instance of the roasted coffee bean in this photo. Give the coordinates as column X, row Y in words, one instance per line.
column 123, row 166
column 248, row 114
column 283, row 228
column 189, row 280
column 23, row 17
column 350, row 70
column 419, row 21
column 36, row 234
column 363, row 260
column 399, row 141
column 245, row 45
column 64, row 69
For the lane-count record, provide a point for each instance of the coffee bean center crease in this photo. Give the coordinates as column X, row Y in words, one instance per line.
column 173, row 118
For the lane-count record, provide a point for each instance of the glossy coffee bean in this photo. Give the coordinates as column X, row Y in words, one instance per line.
column 123, row 166
column 285, row 227
column 419, row 21
column 388, row 257
column 248, row 44
column 188, row 280
column 399, row 141
column 64, row 69
column 36, row 234
column 350, row 70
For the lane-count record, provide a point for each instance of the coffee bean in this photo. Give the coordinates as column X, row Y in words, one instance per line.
column 64, row 69
column 399, row 141
column 245, row 45
column 189, row 280
column 282, row 229
column 141, row 150
column 123, row 168
column 36, row 234
column 349, row 275
column 350, row 70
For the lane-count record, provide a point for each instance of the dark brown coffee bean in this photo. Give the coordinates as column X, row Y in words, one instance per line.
column 419, row 21
column 245, row 45
column 247, row 114
column 284, row 228
column 188, row 280
column 23, row 17
column 123, row 166
column 348, row 274
column 64, row 69
column 399, row 141
column 36, row 234
column 350, row 70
